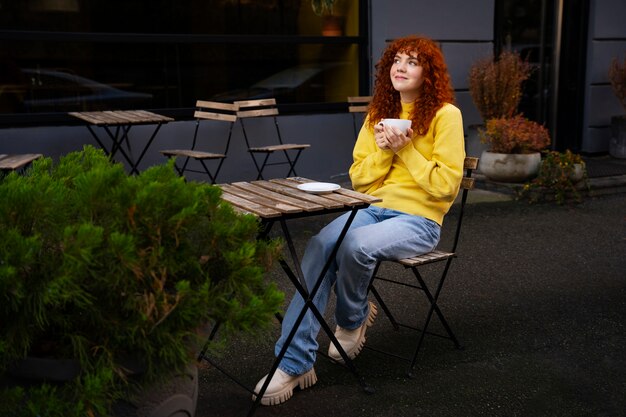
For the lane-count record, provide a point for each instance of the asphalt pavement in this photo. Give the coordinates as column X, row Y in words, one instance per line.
column 537, row 297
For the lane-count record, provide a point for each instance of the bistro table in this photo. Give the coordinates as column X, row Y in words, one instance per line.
column 279, row 200
column 117, row 125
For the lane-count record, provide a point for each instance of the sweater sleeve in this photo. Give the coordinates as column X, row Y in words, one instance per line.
column 371, row 164
column 439, row 175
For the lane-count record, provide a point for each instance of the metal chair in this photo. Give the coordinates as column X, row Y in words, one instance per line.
column 433, row 292
column 291, row 151
column 357, row 105
column 206, row 110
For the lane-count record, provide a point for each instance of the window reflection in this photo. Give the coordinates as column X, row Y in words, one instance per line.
column 66, row 55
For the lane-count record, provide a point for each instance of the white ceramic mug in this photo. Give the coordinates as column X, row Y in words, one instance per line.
column 401, row 124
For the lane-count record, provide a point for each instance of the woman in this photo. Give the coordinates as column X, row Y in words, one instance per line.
column 417, row 175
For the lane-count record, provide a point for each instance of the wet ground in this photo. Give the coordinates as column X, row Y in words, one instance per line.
column 537, row 297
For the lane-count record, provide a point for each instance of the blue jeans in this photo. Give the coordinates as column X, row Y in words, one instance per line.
column 375, row 234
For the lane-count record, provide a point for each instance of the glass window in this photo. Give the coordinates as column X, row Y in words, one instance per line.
column 67, row 55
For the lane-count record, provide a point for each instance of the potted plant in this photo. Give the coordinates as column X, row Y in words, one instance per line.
column 562, row 176
column 332, row 24
column 495, row 85
column 617, row 76
column 116, row 276
column 514, row 146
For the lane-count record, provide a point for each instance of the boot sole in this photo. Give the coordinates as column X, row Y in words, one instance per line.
column 359, row 346
column 304, row 381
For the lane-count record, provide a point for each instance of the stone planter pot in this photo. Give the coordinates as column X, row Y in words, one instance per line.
column 504, row 167
column 617, row 144
column 578, row 173
column 174, row 396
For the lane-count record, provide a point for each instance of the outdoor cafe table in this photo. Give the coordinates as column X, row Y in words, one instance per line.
column 117, row 125
column 279, row 200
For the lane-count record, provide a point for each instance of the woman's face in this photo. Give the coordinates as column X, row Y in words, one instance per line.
column 406, row 75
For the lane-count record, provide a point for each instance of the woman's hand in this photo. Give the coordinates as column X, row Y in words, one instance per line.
column 391, row 137
column 380, row 136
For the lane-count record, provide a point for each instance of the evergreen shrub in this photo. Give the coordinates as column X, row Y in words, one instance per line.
column 111, row 269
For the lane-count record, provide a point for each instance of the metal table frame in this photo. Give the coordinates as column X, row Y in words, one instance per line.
column 117, row 125
column 297, row 280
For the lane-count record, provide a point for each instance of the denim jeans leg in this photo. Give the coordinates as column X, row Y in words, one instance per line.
column 397, row 235
column 301, row 354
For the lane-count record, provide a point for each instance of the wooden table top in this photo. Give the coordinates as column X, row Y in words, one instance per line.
column 281, row 197
column 121, row 117
column 15, row 161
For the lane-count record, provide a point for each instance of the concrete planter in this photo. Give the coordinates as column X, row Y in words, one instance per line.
column 504, row 167
column 174, row 396
column 578, row 174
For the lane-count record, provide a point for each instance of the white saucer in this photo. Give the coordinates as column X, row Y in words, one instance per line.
column 319, row 187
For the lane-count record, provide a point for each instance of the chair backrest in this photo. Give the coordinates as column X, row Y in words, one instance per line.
column 213, row 110
column 257, row 108
column 467, row 183
column 356, row 105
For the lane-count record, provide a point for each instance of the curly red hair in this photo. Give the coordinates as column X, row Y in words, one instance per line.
column 435, row 91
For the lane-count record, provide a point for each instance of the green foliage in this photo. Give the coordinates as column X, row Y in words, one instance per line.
column 105, row 267
column 561, row 177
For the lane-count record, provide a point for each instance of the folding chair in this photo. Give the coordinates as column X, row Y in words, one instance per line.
column 356, row 105
column 414, row 263
column 206, row 110
column 263, row 108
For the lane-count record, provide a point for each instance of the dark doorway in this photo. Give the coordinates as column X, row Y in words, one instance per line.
column 551, row 35
column 573, row 63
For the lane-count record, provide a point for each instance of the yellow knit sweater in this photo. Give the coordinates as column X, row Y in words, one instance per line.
column 424, row 177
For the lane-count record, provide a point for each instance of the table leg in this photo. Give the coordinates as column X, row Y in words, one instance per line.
column 117, row 142
column 95, row 136
column 114, row 138
column 308, row 304
column 143, row 152
column 125, row 139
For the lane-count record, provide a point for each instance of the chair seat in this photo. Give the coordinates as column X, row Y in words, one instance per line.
column 192, row 154
column 426, row 258
column 283, row 147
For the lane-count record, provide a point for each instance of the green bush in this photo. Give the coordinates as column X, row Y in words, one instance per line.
column 105, row 267
column 562, row 178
